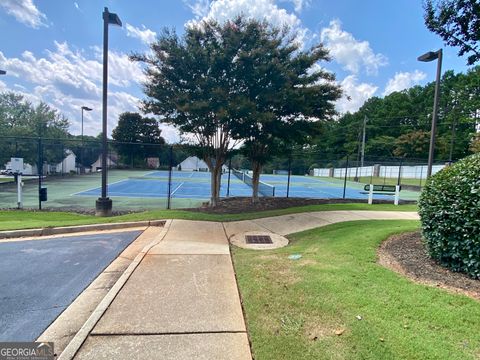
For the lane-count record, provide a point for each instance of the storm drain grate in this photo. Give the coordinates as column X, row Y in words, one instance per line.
column 258, row 239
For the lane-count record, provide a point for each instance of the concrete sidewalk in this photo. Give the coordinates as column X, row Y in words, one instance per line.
column 182, row 301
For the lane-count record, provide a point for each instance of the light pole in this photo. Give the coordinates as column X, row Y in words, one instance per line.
column 427, row 57
column 82, row 168
column 103, row 205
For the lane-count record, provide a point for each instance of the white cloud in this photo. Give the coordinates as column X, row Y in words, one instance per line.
column 299, row 5
column 404, row 80
column 222, row 10
column 69, row 79
column 354, row 94
column 77, row 6
column 199, row 8
column 350, row 52
column 147, row 36
column 25, row 12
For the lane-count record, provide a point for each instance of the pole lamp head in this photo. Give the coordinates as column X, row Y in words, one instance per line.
column 2, row 72
column 86, row 108
column 429, row 56
column 111, row 18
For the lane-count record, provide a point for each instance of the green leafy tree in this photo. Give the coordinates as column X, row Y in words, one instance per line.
column 137, row 137
column 410, row 110
column 281, row 95
column 412, row 145
column 21, row 122
column 191, row 83
column 457, row 22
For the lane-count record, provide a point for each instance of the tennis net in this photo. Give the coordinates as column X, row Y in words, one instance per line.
column 263, row 188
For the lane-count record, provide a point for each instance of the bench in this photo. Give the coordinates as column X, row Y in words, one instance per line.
column 386, row 189
column 382, row 188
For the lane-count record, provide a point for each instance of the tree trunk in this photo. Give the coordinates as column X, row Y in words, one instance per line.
column 257, row 169
column 215, row 176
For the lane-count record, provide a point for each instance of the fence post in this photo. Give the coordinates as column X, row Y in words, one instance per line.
column 229, row 172
column 170, row 165
column 370, row 194
column 289, row 173
column 345, row 179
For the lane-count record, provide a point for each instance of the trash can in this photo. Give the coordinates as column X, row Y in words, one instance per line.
column 43, row 194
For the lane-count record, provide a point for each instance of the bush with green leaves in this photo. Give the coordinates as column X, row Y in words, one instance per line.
column 450, row 214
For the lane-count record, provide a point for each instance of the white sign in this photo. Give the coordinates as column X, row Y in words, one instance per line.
column 16, row 165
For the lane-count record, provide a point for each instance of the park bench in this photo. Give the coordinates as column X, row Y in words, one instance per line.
column 385, row 189
column 381, row 188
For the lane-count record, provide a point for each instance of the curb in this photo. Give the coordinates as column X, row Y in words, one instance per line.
column 79, row 228
column 75, row 344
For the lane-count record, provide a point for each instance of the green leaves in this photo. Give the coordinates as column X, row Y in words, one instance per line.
column 450, row 212
column 457, row 22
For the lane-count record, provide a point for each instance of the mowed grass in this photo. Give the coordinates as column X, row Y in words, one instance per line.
column 293, row 308
column 13, row 219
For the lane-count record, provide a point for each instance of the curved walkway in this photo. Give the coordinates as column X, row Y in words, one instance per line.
column 182, row 301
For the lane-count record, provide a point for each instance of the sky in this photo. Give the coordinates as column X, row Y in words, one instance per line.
column 52, row 50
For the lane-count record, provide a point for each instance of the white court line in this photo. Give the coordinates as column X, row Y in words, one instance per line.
column 98, row 187
column 178, row 187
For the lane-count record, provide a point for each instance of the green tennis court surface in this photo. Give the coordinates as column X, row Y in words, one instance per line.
column 145, row 189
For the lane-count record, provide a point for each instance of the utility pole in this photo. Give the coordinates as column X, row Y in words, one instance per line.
column 363, row 140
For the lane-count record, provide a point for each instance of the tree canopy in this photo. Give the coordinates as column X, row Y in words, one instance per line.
column 399, row 124
column 21, row 119
column 457, row 22
column 241, row 81
column 136, row 137
column 283, row 95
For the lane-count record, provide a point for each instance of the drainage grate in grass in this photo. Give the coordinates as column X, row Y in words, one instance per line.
column 258, row 239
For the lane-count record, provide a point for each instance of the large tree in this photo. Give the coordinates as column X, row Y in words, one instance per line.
column 406, row 113
column 22, row 123
column 283, row 93
column 191, row 83
column 458, row 24
column 137, row 137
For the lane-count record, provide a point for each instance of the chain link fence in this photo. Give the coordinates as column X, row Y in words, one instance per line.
column 160, row 176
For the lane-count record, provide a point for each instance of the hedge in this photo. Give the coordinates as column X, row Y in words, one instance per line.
column 449, row 208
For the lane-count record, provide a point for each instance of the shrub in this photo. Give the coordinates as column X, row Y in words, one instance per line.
column 450, row 214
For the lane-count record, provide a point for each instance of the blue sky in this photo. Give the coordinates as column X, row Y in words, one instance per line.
column 52, row 50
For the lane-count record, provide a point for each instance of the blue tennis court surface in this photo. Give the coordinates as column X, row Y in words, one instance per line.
column 196, row 185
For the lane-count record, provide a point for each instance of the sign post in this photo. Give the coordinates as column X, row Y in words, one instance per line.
column 17, row 170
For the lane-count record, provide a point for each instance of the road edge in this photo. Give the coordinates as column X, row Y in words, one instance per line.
column 8, row 234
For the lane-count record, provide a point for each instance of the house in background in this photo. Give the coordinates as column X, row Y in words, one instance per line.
column 112, row 161
column 192, row 163
column 67, row 165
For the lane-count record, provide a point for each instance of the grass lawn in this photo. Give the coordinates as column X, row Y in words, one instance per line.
column 12, row 219
column 293, row 308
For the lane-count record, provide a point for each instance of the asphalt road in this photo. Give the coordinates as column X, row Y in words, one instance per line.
column 40, row 278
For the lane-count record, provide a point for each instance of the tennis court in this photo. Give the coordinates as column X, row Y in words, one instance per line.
column 196, row 185
column 184, row 185
column 134, row 190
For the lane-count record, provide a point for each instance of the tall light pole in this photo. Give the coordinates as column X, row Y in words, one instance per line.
column 427, row 57
column 103, row 205
column 84, row 108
